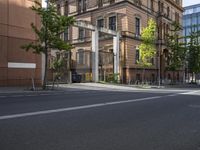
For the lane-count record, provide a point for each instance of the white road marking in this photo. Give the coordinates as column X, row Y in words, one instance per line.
column 172, row 95
column 192, row 93
column 75, row 108
column 12, row 116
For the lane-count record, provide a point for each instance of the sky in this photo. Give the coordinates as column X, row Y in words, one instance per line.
column 185, row 2
column 43, row 3
column 190, row 2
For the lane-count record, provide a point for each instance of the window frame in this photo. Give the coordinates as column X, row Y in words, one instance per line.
column 137, row 27
column 78, row 56
column 112, row 25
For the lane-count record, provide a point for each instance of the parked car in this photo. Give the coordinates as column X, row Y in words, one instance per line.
column 76, row 78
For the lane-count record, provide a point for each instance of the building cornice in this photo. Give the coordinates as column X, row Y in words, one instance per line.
column 175, row 5
column 113, row 5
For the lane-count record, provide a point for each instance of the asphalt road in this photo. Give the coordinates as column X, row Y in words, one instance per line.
column 100, row 120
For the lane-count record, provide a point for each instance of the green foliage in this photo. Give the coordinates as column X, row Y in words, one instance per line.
column 147, row 47
column 194, row 53
column 176, row 48
column 57, row 66
column 113, row 78
column 52, row 25
column 48, row 34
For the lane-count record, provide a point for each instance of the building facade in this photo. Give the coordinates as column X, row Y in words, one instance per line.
column 191, row 23
column 128, row 17
column 191, row 19
column 17, row 67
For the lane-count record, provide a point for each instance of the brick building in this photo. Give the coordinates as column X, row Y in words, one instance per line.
column 17, row 67
column 128, row 17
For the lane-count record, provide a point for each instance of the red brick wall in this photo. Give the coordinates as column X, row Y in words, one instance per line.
column 15, row 31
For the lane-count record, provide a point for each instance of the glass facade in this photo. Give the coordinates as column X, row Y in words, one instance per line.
column 191, row 19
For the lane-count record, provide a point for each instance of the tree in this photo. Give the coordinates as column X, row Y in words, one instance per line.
column 57, row 66
column 147, row 47
column 48, row 35
column 194, row 53
column 176, row 54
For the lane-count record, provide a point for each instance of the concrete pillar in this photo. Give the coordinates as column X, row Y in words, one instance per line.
column 116, row 52
column 95, row 55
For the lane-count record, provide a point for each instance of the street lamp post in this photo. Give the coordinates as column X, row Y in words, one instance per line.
column 159, row 63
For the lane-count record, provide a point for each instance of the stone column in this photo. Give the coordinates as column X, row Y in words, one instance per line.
column 116, row 52
column 95, row 55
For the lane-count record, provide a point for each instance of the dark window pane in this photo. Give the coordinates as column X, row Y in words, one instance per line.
column 137, row 26
column 112, row 23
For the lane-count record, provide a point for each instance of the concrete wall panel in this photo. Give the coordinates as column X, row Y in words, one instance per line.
column 3, row 11
column 16, row 54
column 20, row 14
column 3, row 52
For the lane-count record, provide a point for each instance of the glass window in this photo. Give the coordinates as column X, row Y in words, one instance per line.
column 100, row 3
column 58, row 9
column 79, row 5
column 197, row 9
column 194, row 20
column 188, row 31
column 168, row 11
column 112, row 1
column 81, row 34
column 188, row 22
column 84, row 5
column 80, row 56
column 112, row 23
column 184, row 32
column 199, row 19
column 66, row 8
column 137, row 55
column 100, row 23
column 66, row 35
column 137, row 26
column 184, row 22
column 188, row 11
column 152, row 5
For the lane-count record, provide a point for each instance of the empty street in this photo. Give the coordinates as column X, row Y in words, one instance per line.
column 100, row 119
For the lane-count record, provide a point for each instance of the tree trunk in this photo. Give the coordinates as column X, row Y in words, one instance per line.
column 192, row 77
column 54, row 79
column 45, row 71
column 143, row 76
column 195, row 80
column 173, row 80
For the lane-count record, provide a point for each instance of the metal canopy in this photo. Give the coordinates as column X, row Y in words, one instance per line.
column 86, row 25
column 95, row 46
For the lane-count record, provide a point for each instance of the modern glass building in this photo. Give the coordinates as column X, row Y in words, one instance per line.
column 191, row 23
column 191, row 19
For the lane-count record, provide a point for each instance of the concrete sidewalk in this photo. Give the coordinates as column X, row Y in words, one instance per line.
column 100, row 86
column 7, row 90
column 94, row 86
column 13, row 90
